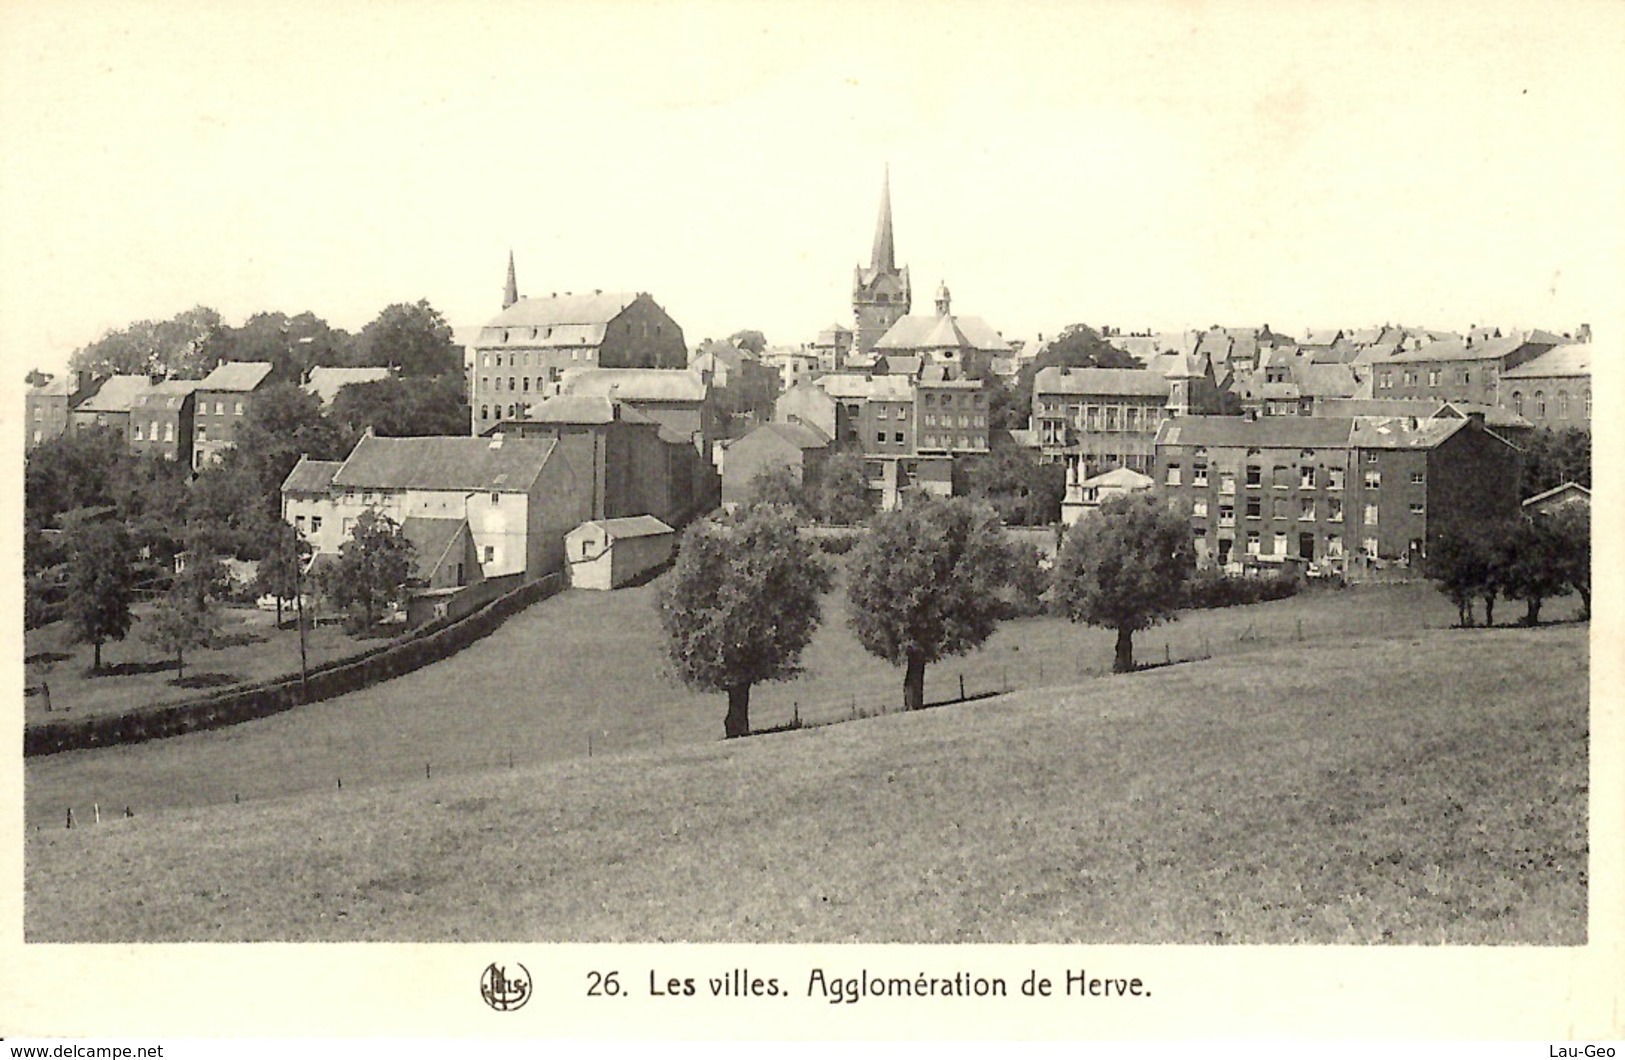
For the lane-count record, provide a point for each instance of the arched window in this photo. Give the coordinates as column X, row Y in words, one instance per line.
column 1562, row 404
column 485, row 412
column 1540, row 404
column 1517, row 402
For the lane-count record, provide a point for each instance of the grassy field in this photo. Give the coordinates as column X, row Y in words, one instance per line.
column 587, row 666
column 252, row 648
column 1421, row 788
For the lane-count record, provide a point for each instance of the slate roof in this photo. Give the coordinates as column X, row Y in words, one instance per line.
column 1422, row 408
column 848, row 386
column 1398, row 432
column 634, row 384
column 921, row 332
column 1326, row 380
column 800, row 435
column 56, row 386
column 169, row 395
column 116, row 394
column 311, row 476
column 1569, row 359
column 236, row 376
column 431, row 540
column 595, row 309
column 1109, row 382
column 325, row 382
column 1458, row 350
column 631, row 526
column 445, row 463
column 1121, row 478
column 583, row 409
column 1580, row 493
column 1305, row 432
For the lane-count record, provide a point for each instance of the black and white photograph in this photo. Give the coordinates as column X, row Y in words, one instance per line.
column 881, row 507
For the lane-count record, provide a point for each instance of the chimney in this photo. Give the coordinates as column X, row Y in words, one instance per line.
column 1477, row 418
column 1585, row 333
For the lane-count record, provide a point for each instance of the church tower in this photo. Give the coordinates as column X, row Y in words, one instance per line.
column 880, row 293
column 510, row 292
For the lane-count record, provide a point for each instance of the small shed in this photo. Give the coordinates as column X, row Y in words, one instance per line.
column 609, row 553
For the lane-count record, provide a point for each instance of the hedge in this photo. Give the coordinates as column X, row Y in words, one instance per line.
column 339, row 677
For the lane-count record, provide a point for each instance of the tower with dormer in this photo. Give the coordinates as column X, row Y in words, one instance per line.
column 880, row 293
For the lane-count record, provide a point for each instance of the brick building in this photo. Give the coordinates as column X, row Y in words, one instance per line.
column 162, row 419
column 1468, row 368
column 220, row 402
column 1320, row 488
column 1552, row 390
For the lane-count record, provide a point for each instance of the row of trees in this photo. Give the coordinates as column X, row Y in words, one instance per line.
column 927, row 581
column 409, row 336
column 1532, row 558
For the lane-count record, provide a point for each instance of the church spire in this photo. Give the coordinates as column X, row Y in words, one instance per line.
column 884, row 259
column 510, row 293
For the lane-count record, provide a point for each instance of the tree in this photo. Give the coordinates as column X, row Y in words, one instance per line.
column 1553, row 457
column 73, row 470
column 283, row 423
column 184, row 618
column 400, row 408
column 1077, row 346
column 1023, row 489
column 285, row 554
column 1125, row 567
column 925, row 584
column 373, row 571
column 150, row 495
column 780, row 486
column 1459, row 563
column 292, row 345
column 100, row 583
column 748, row 339
column 740, row 605
column 228, row 508
column 843, row 490
column 1570, row 528
column 412, row 337
column 1529, row 567
column 185, row 346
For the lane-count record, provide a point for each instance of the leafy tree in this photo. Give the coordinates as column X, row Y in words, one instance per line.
column 1125, row 567
column 185, row 346
column 72, row 470
column 285, row 554
column 1553, row 457
column 413, row 337
column 150, row 494
column 100, row 583
column 292, row 345
column 779, row 486
column 1570, row 529
column 403, row 407
column 843, row 490
column 185, row 618
column 228, row 508
column 1023, row 489
column 283, row 423
column 1028, row 581
column 924, row 585
column 748, row 339
column 1077, row 346
column 374, row 569
column 1529, row 566
column 740, row 605
column 1459, row 563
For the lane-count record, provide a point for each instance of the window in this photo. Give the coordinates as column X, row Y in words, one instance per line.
column 1255, row 474
column 1227, row 515
column 1433, row 377
column 931, row 399
column 1131, row 420
column 299, row 523
column 1417, row 478
column 1199, row 508
column 485, row 383
column 1199, row 473
column 315, row 523
column 511, row 383
column 1279, row 509
column 880, row 436
column 348, row 525
column 1282, row 477
column 1255, row 508
column 496, row 499
column 1334, row 478
column 1306, row 478
column 239, row 409
column 1517, row 402
column 899, row 437
column 219, row 408
column 485, row 412
column 1252, row 543
column 1173, row 474
column 1562, row 404
column 169, row 432
column 1227, row 482
column 1409, row 379
column 202, row 433
column 138, row 437
column 1373, row 480
column 880, row 412
column 1371, row 457
column 1334, row 509
column 979, row 442
column 1466, row 377
column 1369, row 546
column 1306, row 509
column 490, row 553
column 1334, row 544
column 524, row 384
column 1417, row 508
column 1280, row 542
column 1385, row 381
column 586, row 546
column 1370, row 515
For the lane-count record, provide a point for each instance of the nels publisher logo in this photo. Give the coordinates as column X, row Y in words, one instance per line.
column 505, row 987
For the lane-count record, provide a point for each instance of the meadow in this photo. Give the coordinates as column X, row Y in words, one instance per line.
column 582, row 674
column 1420, row 786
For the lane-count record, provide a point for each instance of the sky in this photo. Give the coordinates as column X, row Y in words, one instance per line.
column 1155, row 165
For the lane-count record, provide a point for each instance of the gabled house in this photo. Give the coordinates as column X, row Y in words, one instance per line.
column 162, row 419
column 800, row 449
column 220, row 402
column 110, row 405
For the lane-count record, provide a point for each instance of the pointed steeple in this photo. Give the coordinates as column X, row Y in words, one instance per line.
column 510, row 293
column 883, row 259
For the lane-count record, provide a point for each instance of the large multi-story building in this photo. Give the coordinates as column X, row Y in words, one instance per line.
column 1552, row 390
column 522, row 354
column 220, row 402
column 1468, row 368
column 1319, row 488
column 109, row 406
column 162, row 419
column 964, row 345
column 48, row 406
